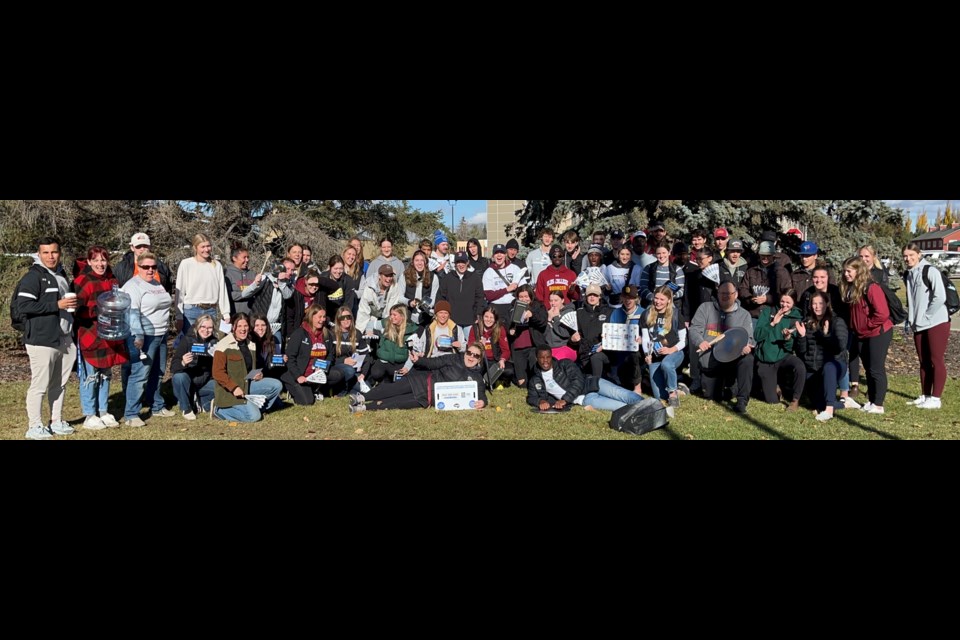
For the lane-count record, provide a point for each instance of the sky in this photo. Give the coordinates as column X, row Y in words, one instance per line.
column 475, row 211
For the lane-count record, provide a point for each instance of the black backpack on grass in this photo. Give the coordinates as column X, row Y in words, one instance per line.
column 640, row 418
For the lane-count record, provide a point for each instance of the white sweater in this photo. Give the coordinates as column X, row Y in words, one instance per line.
column 201, row 283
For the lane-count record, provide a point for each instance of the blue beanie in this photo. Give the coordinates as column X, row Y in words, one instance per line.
column 438, row 237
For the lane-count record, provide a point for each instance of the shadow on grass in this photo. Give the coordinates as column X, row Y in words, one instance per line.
column 756, row 423
column 842, row 415
column 673, row 435
column 892, row 392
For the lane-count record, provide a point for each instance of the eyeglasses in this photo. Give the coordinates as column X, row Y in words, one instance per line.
column 148, row 267
column 474, row 354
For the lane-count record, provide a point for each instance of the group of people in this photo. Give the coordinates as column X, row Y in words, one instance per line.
column 383, row 333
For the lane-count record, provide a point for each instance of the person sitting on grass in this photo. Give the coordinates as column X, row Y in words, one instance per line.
column 415, row 390
column 774, row 334
column 233, row 360
column 193, row 371
column 821, row 341
column 307, row 346
column 559, row 384
column 493, row 336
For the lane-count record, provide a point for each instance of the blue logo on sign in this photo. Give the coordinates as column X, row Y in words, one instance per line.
column 440, row 405
column 473, row 404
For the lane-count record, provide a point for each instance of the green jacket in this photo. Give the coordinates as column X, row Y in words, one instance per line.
column 771, row 345
column 230, row 371
column 390, row 351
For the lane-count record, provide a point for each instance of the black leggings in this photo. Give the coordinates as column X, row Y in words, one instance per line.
column 303, row 394
column 873, row 352
column 793, row 382
column 383, row 371
column 524, row 360
column 398, row 395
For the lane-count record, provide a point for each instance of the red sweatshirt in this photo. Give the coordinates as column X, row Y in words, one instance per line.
column 555, row 279
column 871, row 316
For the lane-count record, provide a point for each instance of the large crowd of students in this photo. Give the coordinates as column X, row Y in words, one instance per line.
column 383, row 333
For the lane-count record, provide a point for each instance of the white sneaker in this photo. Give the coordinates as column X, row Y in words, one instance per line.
column 874, row 409
column 850, row 403
column 93, row 422
column 189, row 415
column 108, row 420
column 930, row 403
column 135, row 422
column 867, row 407
column 164, row 413
column 919, row 401
column 823, row 416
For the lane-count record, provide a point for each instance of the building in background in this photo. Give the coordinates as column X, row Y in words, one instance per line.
column 941, row 239
column 499, row 214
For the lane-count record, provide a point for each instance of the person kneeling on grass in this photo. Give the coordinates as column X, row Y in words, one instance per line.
column 559, row 384
column 233, row 359
column 415, row 389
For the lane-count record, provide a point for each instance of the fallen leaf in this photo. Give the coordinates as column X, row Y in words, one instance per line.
column 310, row 431
column 233, row 424
column 689, row 436
column 306, row 419
column 184, row 429
column 358, row 431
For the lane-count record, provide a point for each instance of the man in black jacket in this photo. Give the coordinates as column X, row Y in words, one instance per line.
column 126, row 268
column 48, row 337
column 558, row 384
column 463, row 289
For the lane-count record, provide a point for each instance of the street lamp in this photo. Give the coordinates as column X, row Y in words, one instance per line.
column 453, row 204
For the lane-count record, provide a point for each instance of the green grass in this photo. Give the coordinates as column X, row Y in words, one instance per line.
column 696, row 420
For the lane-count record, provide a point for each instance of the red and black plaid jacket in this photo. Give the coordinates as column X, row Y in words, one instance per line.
column 101, row 354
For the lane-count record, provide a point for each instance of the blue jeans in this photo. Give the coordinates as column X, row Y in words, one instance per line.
column 161, row 358
column 248, row 412
column 145, row 375
column 831, row 376
column 184, row 389
column 610, row 397
column 668, row 370
column 349, row 373
column 94, row 388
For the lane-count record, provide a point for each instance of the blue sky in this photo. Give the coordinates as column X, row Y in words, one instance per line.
column 475, row 210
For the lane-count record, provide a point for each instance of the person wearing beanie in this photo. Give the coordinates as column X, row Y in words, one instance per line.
column 442, row 336
column 513, row 248
column 441, row 260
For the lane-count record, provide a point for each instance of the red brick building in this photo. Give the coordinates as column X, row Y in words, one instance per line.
column 940, row 239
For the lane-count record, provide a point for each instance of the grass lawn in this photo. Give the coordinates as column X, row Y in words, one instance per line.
column 509, row 418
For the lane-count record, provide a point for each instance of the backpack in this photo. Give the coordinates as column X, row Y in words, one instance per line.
column 640, row 418
column 17, row 320
column 897, row 313
column 953, row 300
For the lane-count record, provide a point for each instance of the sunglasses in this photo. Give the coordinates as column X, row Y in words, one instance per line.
column 142, row 246
column 474, row 354
column 313, row 284
column 345, row 318
column 148, row 267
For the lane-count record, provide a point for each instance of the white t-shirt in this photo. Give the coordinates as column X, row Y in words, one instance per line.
column 551, row 385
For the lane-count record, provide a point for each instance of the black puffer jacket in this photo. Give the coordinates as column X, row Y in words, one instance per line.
column 567, row 374
column 815, row 348
column 448, row 368
column 590, row 323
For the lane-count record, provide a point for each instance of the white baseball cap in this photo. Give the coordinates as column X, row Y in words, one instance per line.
column 139, row 238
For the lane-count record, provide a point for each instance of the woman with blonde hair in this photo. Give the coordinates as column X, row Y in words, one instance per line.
column 201, row 286
column 663, row 338
column 869, row 256
column 350, row 349
column 393, row 352
column 870, row 325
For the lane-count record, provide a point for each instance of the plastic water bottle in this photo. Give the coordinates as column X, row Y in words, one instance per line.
column 112, row 309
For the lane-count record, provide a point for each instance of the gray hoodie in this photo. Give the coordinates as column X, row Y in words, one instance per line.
column 709, row 322
column 925, row 309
